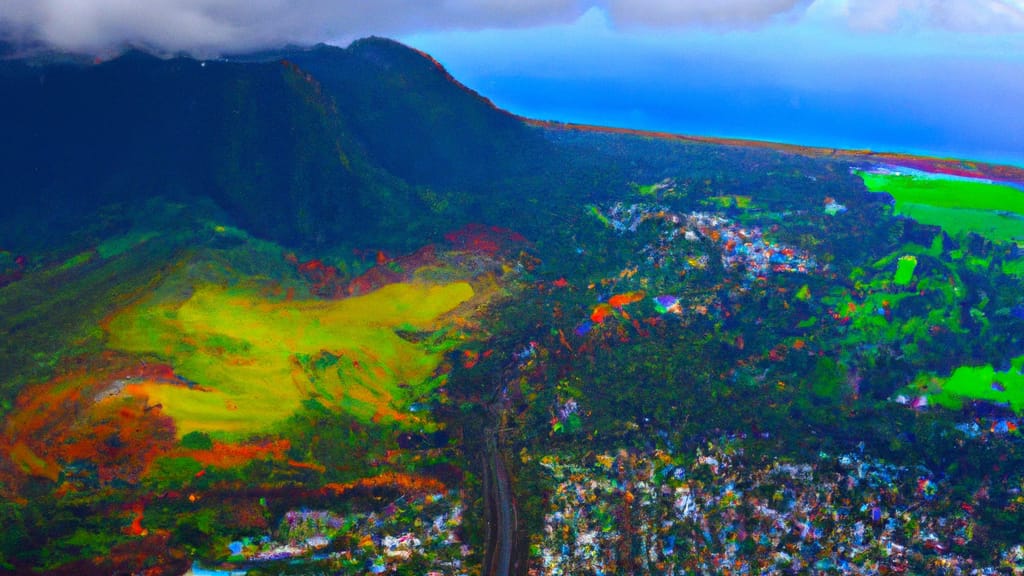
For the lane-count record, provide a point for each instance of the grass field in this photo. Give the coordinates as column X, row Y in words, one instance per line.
column 959, row 206
column 249, row 357
column 978, row 383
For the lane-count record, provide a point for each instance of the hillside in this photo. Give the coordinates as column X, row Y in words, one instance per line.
column 316, row 147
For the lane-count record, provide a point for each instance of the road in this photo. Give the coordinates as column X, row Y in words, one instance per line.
column 502, row 536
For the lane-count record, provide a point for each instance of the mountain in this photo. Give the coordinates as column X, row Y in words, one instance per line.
column 416, row 120
column 314, row 147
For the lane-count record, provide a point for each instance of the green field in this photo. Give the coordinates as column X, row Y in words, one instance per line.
column 968, row 383
column 255, row 360
column 994, row 211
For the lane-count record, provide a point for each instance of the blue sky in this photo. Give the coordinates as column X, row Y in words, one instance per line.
column 817, row 80
column 935, row 76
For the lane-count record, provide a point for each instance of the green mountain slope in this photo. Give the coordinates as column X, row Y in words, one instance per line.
column 418, row 121
column 316, row 147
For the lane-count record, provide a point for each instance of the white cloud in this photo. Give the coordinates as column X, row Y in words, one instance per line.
column 661, row 13
column 973, row 16
column 210, row 26
column 220, row 25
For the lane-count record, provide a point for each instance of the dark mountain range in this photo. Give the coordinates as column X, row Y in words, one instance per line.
column 306, row 146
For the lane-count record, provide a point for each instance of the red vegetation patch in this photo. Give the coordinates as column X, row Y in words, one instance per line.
column 328, row 282
column 135, row 528
column 470, row 358
column 620, row 300
column 224, row 455
column 325, row 280
column 85, row 429
column 601, row 313
column 778, row 353
column 487, row 239
column 307, row 466
column 391, row 270
column 406, row 483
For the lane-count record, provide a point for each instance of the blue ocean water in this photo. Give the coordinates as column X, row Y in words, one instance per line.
column 890, row 121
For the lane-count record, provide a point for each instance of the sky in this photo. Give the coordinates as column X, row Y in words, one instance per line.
column 943, row 77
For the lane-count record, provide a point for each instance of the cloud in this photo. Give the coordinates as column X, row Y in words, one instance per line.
column 204, row 26
column 724, row 13
column 214, row 26
column 971, row 16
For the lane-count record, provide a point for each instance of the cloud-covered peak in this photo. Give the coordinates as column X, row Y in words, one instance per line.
column 212, row 26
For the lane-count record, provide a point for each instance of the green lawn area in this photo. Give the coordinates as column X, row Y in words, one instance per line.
column 984, row 383
column 994, row 211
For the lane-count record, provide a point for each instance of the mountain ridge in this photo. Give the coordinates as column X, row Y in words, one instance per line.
column 305, row 152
